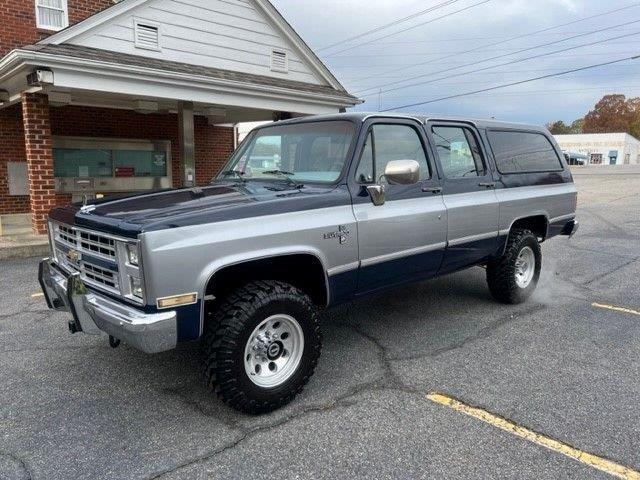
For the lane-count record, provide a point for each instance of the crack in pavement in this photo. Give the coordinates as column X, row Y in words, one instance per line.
column 388, row 381
column 19, row 462
column 484, row 332
column 343, row 401
column 622, row 233
column 613, row 270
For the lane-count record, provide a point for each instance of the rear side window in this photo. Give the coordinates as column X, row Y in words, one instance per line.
column 523, row 152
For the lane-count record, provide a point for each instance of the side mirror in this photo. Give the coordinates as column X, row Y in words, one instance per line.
column 397, row 172
column 402, row 172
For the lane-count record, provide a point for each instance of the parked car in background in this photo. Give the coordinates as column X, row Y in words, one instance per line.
column 574, row 158
column 308, row 213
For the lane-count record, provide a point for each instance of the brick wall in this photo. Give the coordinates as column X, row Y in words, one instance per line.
column 213, row 144
column 18, row 20
column 37, row 135
column 11, row 150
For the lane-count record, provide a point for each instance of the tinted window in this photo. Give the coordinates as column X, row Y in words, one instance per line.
column 517, row 152
column 386, row 143
column 458, row 152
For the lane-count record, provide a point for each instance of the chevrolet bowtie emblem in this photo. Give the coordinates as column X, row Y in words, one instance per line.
column 342, row 234
column 73, row 256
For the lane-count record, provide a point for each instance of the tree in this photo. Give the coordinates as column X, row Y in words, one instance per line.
column 560, row 128
column 614, row 113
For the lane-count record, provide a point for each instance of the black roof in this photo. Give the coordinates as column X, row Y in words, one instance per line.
column 117, row 58
column 422, row 118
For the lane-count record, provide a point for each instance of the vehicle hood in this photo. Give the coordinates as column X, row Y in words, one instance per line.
column 132, row 215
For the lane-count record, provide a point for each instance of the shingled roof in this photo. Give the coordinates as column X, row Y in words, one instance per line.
column 116, row 58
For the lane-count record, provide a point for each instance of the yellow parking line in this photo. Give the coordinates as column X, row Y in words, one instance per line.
column 586, row 458
column 36, row 295
column 615, row 309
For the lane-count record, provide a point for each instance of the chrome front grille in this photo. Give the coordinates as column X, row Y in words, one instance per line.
column 89, row 253
column 102, row 276
column 90, row 242
column 85, row 242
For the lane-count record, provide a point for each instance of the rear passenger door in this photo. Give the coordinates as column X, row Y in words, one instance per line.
column 469, row 194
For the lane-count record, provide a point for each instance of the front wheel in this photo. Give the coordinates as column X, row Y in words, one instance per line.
column 262, row 346
column 513, row 277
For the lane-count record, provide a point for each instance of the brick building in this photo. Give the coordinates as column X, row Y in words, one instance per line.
column 99, row 98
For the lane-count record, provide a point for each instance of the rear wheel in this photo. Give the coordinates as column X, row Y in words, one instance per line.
column 262, row 346
column 513, row 277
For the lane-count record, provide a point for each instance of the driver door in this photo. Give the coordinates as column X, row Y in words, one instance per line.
column 404, row 239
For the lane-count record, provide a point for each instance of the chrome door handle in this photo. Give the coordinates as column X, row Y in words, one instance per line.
column 432, row 189
column 487, row 184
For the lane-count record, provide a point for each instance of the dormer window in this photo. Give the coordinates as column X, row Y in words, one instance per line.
column 52, row 14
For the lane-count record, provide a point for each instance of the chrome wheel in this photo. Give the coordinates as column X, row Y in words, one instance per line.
column 273, row 352
column 525, row 267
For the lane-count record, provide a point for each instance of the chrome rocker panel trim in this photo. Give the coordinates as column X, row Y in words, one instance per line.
column 94, row 314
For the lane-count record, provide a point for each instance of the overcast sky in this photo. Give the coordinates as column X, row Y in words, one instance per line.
column 439, row 45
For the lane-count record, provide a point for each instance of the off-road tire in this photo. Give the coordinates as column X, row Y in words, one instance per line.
column 501, row 272
column 227, row 333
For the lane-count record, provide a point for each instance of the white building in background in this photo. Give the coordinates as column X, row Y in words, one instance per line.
column 603, row 148
column 245, row 128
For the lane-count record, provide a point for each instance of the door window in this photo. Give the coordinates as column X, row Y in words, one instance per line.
column 385, row 143
column 458, row 151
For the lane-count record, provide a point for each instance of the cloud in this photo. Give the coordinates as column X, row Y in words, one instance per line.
column 426, row 50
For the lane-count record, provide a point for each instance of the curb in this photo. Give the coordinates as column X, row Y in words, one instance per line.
column 24, row 251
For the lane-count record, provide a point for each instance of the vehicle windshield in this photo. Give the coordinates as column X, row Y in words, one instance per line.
column 312, row 152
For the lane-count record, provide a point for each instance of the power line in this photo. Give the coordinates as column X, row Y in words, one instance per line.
column 518, row 37
column 603, row 76
column 496, row 57
column 571, row 90
column 507, row 72
column 558, row 57
column 390, row 24
column 512, row 84
column 511, row 51
column 407, row 29
column 451, row 39
column 519, row 60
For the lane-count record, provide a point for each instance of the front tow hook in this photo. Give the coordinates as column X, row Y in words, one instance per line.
column 114, row 342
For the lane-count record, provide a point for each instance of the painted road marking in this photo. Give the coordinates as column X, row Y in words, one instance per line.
column 586, row 458
column 615, row 308
column 36, row 295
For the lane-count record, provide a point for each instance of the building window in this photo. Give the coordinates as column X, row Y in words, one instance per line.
column 52, row 14
column 627, row 159
column 596, row 159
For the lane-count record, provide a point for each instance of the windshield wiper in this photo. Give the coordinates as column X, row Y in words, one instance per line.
column 286, row 175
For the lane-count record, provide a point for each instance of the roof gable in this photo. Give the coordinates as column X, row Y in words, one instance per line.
column 234, row 35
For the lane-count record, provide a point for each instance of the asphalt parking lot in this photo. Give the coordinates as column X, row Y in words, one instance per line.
column 73, row 408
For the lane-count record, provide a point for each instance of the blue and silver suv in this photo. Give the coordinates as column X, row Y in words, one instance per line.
column 307, row 214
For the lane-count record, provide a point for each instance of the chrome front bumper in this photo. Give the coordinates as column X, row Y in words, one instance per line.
column 94, row 314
